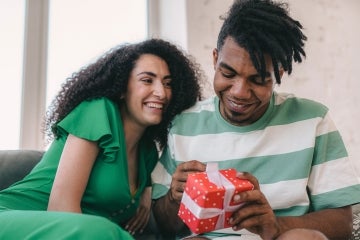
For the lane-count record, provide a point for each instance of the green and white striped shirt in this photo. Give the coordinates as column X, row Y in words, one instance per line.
column 294, row 150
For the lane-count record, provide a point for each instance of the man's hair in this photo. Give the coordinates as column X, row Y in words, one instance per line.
column 264, row 27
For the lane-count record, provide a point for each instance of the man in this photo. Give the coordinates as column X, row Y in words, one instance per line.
column 287, row 147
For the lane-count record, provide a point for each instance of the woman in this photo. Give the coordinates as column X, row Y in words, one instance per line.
column 106, row 122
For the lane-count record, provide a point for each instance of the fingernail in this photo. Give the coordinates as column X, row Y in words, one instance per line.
column 237, row 198
column 239, row 174
column 231, row 220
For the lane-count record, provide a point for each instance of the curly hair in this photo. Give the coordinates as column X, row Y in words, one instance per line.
column 264, row 27
column 109, row 75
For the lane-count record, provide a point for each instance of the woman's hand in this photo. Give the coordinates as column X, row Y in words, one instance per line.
column 139, row 221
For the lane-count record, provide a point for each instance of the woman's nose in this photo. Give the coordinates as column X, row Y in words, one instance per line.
column 159, row 90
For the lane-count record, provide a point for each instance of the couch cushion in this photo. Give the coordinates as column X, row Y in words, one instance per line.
column 15, row 164
column 356, row 222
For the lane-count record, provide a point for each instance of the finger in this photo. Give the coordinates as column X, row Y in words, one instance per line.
column 135, row 226
column 192, row 166
column 184, row 169
column 249, row 177
column 135, row 223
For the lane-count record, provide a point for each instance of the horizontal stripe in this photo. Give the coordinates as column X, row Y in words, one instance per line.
column 296, row 109
column 158, row 191
column 160, row 175
column 286, row 194
column 339, row 198
column 229, row 145
column 292, row 211
column 339, row 170
column 326, row 126
column 205, row 105
column 329, row 147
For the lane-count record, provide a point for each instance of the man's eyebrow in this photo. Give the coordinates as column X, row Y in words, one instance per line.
column 224, row 65
column 153, row 74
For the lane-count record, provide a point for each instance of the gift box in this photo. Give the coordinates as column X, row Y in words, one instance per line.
column 207, row 202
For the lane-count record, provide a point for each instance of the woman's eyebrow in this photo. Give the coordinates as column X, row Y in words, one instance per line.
column 147, row 73
column 153, row 74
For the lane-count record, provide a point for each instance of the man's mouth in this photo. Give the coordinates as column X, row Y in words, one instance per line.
column 238, row 107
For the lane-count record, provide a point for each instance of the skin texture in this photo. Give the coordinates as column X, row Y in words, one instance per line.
column 243, row 99
column 147, row 96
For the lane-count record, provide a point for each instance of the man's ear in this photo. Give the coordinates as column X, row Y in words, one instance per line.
column 215, row 57
column 281, row 72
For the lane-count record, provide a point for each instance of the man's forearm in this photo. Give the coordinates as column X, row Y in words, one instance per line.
column 165, row 212
column 334, row 223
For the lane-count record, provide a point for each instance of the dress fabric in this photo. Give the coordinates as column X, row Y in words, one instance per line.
column 107, row 203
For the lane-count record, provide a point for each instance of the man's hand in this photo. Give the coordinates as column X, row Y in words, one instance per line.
column 166, row 208
column 256, row 215
column 180, row 176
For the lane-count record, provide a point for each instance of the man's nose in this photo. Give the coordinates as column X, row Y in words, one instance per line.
column 240, row 89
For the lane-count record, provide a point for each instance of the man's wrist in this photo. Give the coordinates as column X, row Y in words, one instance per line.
column 171, row 199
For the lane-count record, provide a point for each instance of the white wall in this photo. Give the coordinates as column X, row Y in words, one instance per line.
column 328, row 74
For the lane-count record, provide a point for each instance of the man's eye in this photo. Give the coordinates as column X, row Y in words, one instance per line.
column 259, row 81
column 227, row 75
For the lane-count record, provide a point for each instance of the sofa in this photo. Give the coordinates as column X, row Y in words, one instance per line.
column 15, row 164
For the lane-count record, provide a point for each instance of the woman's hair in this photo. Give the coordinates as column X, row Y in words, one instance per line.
column 109, row 75
column 264, row 27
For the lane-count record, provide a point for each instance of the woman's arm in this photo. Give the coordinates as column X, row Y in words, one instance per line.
column 72, row 176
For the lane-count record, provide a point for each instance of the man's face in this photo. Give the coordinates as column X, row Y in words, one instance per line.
column 244, row 97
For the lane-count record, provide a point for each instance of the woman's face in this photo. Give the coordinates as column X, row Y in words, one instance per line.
column 148, row 92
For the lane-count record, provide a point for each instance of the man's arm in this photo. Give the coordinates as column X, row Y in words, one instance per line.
column 165, row 212
column 166, row 208
column 334, row 223
column 257, row 216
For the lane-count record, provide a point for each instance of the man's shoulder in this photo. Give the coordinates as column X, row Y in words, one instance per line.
column 290, row 101
column 204, row 105
column 196, row 117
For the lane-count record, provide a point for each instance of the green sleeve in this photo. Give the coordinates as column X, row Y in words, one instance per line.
column 96, row 120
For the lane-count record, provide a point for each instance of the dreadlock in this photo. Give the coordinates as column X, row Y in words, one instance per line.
column 264, row 27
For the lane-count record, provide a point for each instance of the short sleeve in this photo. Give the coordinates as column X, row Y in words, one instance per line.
column 96, row 120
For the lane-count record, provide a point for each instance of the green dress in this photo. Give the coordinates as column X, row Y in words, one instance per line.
column 107, row 203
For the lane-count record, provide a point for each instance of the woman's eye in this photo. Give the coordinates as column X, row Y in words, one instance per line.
column 167, row 84
column 147, row 80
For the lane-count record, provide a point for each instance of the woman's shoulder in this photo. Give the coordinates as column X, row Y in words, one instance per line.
column 97, row 101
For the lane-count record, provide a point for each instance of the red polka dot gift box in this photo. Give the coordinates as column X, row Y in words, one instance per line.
column 207, row 202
